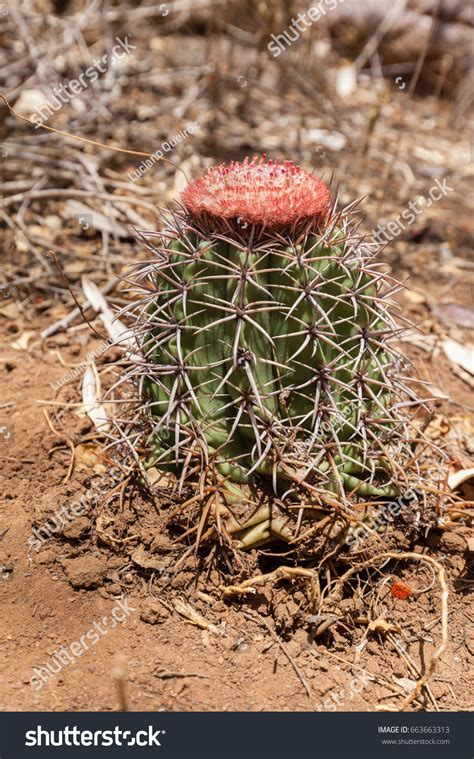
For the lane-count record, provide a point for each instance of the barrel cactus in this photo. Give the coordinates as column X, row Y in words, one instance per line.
column 266, row 342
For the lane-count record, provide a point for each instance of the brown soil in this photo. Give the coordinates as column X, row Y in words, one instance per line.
column 259, row 652
column 53, row 597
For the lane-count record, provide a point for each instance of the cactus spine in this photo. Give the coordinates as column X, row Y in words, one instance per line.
column 266, row 340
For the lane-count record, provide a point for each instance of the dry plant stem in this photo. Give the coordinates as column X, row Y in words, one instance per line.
column 63, row 323
column 424, row 51
column 299, row 674
column 413, row 668
column 78, row 305
column 444, row 613
column 414, row 81
column 64, row 193
column 287, row 573
column 91, row 142
column 172, row 675
column 319, row 526
column 380, row 32
column 186, row 610
column 202, row 521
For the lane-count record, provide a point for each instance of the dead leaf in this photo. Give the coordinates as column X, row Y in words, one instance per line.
column 454, row 313
column 457, row 479
column 119, row 333
column 10, row 311
column 91, row 393
column 21, row 344
column 88, row 218
column 159, row 479
column 382, row 626
column 460, row 355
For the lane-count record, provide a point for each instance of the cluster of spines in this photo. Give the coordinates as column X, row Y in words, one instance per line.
column 256, row 361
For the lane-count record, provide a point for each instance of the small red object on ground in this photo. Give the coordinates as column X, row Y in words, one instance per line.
column 400, row 590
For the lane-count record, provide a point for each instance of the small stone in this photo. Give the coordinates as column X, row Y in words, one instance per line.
column 406, row 683
column 153, row 613
column 53, row 222
column 452, row 542
column 76, row 529
column 302, row 640
column 46, row 556
column 85, row 571
column 114, row 589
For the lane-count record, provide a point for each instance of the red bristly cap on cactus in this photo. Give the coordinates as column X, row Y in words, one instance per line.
column 267, row 194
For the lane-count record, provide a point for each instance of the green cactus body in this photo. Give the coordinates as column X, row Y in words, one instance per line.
column 267, row 352
column 261, row 351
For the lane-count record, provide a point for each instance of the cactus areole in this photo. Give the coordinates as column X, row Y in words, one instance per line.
column 266, row 341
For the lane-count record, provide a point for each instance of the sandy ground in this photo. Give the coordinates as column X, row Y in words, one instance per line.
column 89, row 595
